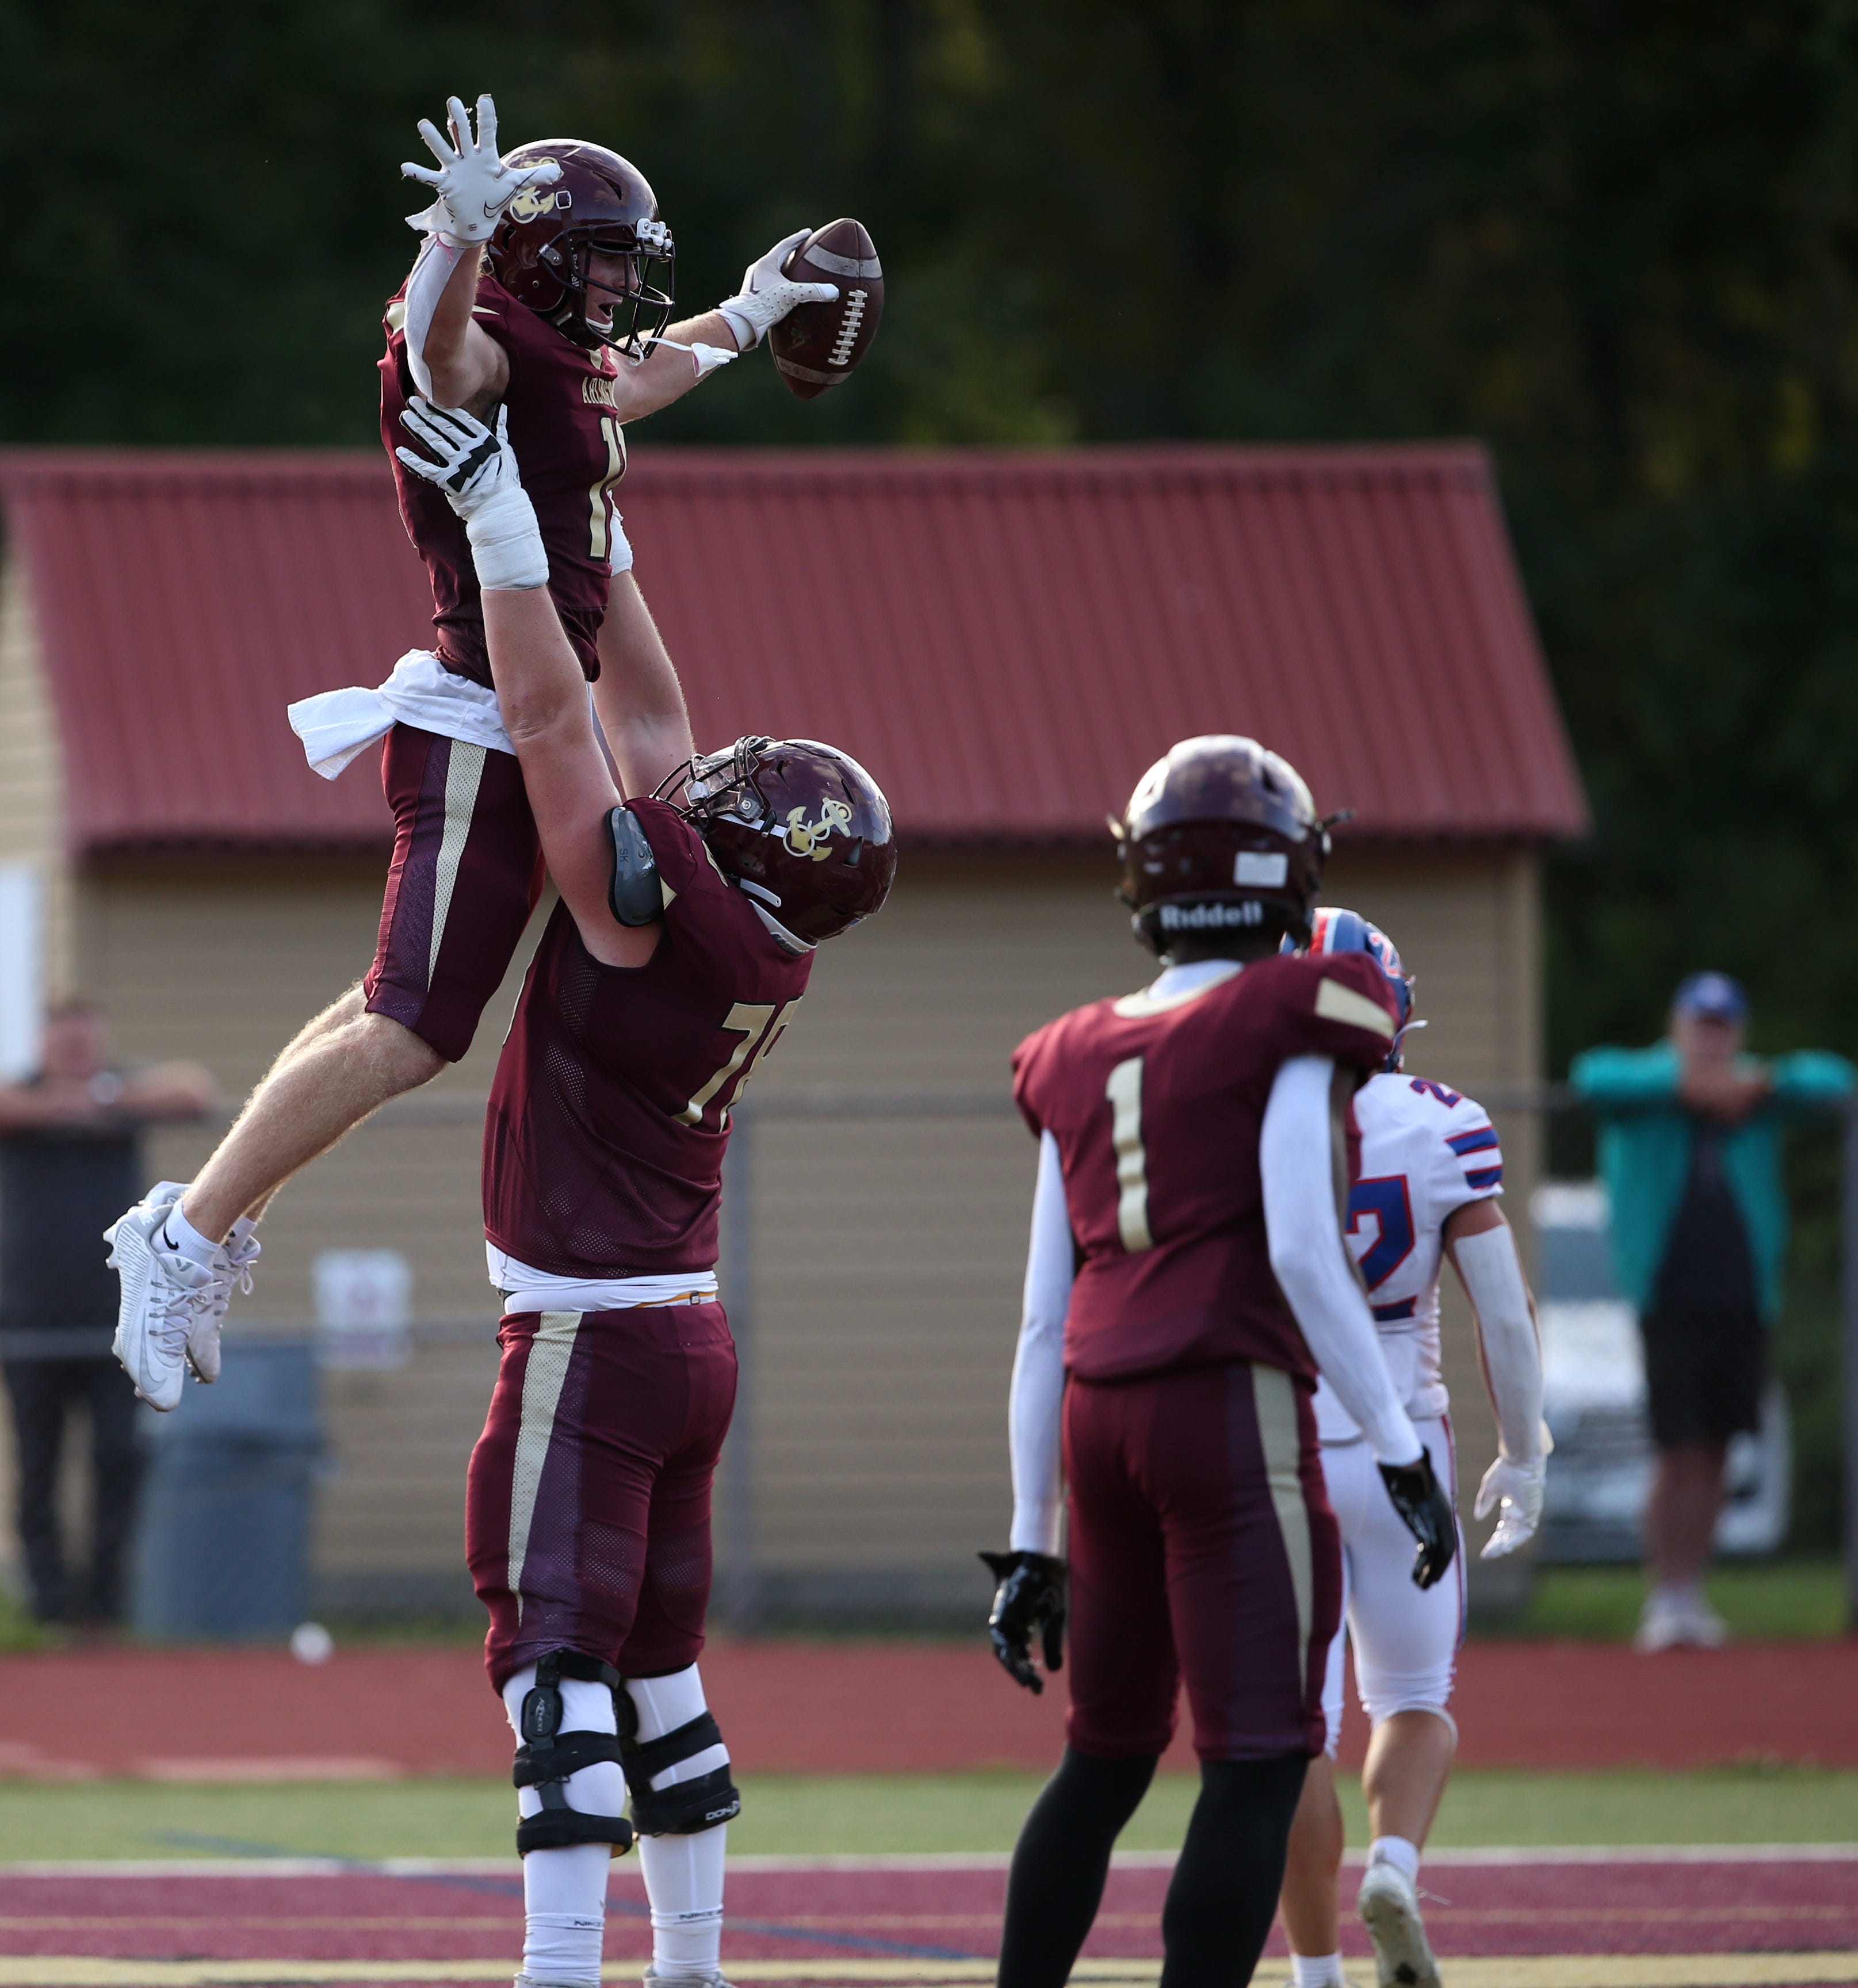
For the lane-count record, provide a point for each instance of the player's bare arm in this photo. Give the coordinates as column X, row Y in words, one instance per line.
column 637, row 695
column 1483, row 1252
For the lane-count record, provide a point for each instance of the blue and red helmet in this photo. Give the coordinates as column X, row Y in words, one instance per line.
column 1331, row 929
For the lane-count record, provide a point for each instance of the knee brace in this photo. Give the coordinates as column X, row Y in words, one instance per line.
column 547, row 1756
column 684, row 1807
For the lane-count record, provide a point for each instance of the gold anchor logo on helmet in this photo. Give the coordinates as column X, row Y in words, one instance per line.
column 806, row 838
column 534, row 201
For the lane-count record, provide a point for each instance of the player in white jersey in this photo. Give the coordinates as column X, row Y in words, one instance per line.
column 1431, row 1169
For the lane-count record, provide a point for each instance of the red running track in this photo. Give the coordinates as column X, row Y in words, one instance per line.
column 877, row 1707
column 1640, row 1906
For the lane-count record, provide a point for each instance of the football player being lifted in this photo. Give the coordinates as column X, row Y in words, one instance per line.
column 566, row 329
column 1187, row 1278
column 677, row 955
column 1432, row 1169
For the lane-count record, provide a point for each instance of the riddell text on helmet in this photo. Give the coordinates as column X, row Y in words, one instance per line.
column 1199, row 917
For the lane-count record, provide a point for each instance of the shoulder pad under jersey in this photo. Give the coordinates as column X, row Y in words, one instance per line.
column 636, row 896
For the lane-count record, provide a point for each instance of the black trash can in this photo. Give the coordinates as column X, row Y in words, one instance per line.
column 223, row 1544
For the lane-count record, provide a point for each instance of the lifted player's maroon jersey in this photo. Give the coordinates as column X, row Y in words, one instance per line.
column 609, row 1115
column 568, row 438
column 1158, row 1106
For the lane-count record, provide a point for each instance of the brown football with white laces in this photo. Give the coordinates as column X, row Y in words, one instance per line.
column 818, row 346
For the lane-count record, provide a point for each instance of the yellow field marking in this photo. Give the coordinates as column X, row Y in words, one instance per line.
column 1612, row 1970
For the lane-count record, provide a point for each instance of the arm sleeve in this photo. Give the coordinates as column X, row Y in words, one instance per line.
column 1036, row 1403
column 432, row 269
column 1310, row 1260
column 1506, row 1331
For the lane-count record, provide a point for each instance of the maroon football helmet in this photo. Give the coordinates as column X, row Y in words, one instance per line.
column 1220, row 835
column 542, row 246
column 801, row 827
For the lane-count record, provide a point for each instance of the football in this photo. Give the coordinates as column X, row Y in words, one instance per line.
column 819, row 345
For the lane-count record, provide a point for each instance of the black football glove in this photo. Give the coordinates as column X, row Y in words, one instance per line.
column 1426, row 1512
column 1029, row 1601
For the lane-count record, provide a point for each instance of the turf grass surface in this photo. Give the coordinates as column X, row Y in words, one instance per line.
column 820, row 1815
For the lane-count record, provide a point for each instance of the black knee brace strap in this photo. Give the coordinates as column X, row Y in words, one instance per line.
column 548, row 1756
column 686, row 1806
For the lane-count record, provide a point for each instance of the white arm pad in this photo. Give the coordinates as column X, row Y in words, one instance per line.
column 1310, row 1260
column 1035, row 1407
column 432, row 269
column 1512, row 1354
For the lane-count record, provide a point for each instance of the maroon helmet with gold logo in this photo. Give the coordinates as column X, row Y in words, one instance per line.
column 1220, row 835
column 542, row 248
column 802, row 828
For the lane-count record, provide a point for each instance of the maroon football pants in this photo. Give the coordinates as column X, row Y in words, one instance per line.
column 587, row 1503
column 1202, row 1549
column 466, row 874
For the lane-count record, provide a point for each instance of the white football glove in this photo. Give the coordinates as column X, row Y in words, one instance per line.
column 476, row 468
column 473, row 183
column 766, row 297
column 1514, row 1491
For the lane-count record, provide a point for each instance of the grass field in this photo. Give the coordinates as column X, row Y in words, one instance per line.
column 1779, row 1599
column 822, row 1815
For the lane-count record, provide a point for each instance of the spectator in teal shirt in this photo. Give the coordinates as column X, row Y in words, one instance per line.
column 1690, row 1148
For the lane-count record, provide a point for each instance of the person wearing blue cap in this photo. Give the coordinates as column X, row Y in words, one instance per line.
column 1691, row 1150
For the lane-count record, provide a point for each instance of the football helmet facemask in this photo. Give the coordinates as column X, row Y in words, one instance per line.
column 801, row 828
column 544, row 246
column 1220, row 835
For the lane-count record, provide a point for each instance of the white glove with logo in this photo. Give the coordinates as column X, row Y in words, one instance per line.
column 473, row 183
column 476, row 468
column 766, row 297
column 1517, row 1490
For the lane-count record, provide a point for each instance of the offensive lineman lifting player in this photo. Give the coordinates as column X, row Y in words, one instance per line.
column 680, row 948
column 1186, row 1222
column 1431, row 1169
column 567, row 331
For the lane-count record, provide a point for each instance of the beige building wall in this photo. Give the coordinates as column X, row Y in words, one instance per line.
column 887, row 1250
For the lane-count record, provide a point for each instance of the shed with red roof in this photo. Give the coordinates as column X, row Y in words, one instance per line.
column 1006, row 639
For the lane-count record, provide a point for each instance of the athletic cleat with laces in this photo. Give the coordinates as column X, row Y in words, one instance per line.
column 232, row 1272
column 164, row 1293
column 653, row 1978
column 1389, row 1906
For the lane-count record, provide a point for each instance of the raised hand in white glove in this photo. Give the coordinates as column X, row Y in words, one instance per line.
column 473, row 183
column 766, row 297
column 476, row 468
column 1514, row 1491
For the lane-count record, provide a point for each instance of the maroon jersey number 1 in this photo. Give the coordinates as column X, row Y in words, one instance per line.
column 1124, row 1091
column 601, row 497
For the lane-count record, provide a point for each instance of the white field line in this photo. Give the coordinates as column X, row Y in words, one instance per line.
column 951, row 1860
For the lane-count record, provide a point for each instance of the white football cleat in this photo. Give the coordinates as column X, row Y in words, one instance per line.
column 232, row 1272
column 163, row 1293
column 1677, row 1620
column 653, row 1979
column 1389, row 1906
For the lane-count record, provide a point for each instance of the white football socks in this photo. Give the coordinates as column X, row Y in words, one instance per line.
column 179, row 1234
column 1399, row 1851
column 684, row 1874
column 564, row 1892
column 1316, row 1970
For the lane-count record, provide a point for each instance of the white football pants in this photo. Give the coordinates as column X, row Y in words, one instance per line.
column 1405, row 1639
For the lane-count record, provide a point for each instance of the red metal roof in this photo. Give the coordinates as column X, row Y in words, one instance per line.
column 1006, row 639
